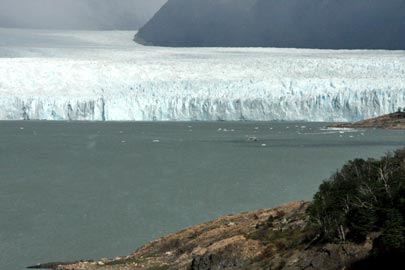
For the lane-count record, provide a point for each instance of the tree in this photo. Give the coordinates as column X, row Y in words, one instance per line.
column 392, row 240
column 364, row 196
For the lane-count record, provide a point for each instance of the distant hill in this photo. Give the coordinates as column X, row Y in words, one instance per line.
column 388, row 121
column 326, row 24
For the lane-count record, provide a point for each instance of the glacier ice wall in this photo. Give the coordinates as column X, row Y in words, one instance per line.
column 206, row 84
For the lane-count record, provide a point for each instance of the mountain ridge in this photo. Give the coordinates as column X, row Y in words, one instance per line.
column 322, row 24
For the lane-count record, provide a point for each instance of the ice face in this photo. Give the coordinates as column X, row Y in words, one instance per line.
column 103, row 76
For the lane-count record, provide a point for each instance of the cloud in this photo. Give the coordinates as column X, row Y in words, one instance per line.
column 77, row 14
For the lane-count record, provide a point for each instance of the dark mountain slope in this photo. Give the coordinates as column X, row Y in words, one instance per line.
column 198, row 23
column 328, row 24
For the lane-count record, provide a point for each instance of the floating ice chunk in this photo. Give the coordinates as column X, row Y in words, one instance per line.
column 340, row 129
column 252, row 139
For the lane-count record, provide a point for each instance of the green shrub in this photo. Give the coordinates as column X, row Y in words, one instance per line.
column 364, row 196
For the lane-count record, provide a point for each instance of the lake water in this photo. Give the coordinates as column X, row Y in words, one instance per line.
column 81, row 190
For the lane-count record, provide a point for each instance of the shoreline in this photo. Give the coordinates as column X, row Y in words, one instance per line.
column 388, row 121
column 275, row 237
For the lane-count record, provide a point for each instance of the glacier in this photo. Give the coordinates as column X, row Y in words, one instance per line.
column 105, row 76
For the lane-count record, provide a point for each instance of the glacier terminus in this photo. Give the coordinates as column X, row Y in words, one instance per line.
column 105, row 76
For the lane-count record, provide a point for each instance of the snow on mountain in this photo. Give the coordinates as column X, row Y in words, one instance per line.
column 58, row 75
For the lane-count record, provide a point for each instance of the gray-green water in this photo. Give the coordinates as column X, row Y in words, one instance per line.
column 78, row 190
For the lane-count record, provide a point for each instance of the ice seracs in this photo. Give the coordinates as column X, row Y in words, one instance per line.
column 112, row 82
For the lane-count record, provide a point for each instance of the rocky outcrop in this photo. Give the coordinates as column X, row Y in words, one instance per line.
column 277, row 238
column 389, row 121
column 323, row 24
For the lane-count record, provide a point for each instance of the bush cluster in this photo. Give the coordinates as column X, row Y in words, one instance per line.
column 365, row 196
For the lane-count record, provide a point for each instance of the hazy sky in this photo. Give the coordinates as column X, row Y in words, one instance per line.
column 77, row 14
